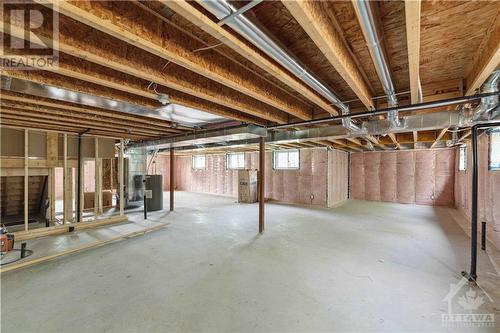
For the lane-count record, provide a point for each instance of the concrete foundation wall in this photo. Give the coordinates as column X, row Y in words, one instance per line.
column 488, row 195
column 307, row 185
column 423, row 177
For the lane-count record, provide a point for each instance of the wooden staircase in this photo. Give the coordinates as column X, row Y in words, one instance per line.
column 12, row 197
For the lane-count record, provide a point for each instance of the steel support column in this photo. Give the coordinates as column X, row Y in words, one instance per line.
column 262, row 167
column 472, row 274
column 172, row 179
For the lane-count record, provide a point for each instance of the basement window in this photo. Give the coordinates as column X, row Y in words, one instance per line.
column 462, row 158
column 198, row 162
column 236, row 160
column 286, row 159
column 494, row 150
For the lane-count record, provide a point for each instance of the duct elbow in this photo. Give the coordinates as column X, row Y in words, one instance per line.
column 347, row 123
column 488, row 109
column 393, row 117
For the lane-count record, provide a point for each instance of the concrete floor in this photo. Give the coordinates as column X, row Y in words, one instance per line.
column 363, row 266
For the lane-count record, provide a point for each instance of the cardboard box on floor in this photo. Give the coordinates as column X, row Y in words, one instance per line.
column 247, row 186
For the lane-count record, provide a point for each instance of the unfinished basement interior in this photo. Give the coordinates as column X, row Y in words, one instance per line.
column 250, row 166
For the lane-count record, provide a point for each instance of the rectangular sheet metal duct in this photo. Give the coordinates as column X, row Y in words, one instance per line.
column 249, row 134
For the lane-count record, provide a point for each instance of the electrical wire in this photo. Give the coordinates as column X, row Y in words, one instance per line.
column 207, row 47
column 152, row 83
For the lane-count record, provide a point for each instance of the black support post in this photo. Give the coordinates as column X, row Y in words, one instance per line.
column 145, row 201
column 472, row 274
column 348, row 175
column 172, row 178
column 483, row 235
column 473, row 255
column 261, row 182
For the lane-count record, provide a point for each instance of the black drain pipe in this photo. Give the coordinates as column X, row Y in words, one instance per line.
column 79, row 177
column 472, row 275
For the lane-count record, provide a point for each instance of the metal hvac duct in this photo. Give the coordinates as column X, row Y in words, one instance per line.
column 404, row 108
column 368, row 24
column 246, row 28
column 486, row 109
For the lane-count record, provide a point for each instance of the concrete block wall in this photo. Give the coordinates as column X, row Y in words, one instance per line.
column 488, row 194
column 423, row 177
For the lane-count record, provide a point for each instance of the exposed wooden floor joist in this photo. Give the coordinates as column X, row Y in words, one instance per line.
column 323, row 32
column 124, row 21
column 201, row 20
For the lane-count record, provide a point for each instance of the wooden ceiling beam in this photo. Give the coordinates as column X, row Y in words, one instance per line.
column 439, row 136
column 90, row 72
column 75, row 122
column 408, row 137
column 487, row 57
column 314, row 19
column 376, row 142
column 412, row 14
column 291, row 145
column 28, row 121
column 198, row 18
column 63, row 112
column 81, row 41
column 355, row 141
column 24, row 99
column 64, row 129
column 103, row 90
column 392, row 136
column 464, row 136
column 82, row 119
column 123, row 20
column 61, row 81
column 344, row 144
column 329, row 144
column 369, row 145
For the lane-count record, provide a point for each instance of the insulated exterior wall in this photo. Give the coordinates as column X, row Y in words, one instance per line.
column 419, row 176
column 444, row 182
column 405, row 180
column 424, row 177
column 307, row 185
column 357, row 182
column 488, row 192
column 338, row 170
column 372, row 176
column 388, row 168
column 320, row 171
